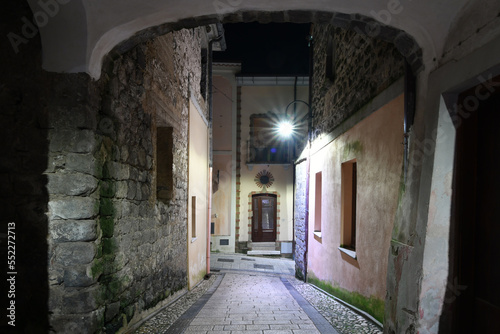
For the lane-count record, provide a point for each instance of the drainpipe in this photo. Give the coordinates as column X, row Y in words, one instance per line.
column 210, row 148
column 409, row 113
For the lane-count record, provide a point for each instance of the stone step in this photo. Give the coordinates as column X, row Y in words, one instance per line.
column 263, row 252
column 268, row 246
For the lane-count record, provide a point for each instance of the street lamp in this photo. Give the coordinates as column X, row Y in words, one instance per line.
column 286, row 127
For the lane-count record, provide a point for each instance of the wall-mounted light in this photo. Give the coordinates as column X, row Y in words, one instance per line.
column 285, row 127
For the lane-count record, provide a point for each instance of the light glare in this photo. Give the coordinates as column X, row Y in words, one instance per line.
column 285, row 129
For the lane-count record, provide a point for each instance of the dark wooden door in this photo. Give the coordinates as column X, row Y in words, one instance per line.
column 474, row 282
column 264, row 218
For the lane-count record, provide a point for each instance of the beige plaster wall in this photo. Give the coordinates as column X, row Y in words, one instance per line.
column 221, row 199
column 260, row 100
column 197, row 186
column 376, row 144
column 222, row 114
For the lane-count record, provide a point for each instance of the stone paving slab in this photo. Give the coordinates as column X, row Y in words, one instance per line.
column 269, row 313
column 254, row 303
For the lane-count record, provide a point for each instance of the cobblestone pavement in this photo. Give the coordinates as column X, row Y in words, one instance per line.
column 242, row 269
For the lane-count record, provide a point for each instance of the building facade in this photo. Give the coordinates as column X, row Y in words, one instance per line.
column 253, row 164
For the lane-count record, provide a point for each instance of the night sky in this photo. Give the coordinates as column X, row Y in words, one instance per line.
column 267, row 49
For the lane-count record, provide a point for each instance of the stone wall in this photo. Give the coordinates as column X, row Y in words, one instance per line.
column 349, row 70
column 95, row 249
column 116, row 252
column 300, row 218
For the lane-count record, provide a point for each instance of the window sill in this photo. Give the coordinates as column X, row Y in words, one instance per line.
column 317, row 235
column 193, row 239
column 348, row 252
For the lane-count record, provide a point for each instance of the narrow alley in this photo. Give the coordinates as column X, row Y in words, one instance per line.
column 258, row 296
column 152, row 147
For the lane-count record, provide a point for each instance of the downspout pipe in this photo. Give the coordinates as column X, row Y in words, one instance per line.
column 410, row 91
column 210, row 148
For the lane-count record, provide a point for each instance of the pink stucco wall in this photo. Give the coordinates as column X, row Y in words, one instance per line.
column 376, row 144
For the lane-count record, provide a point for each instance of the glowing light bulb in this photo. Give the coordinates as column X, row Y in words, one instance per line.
column 285, row 128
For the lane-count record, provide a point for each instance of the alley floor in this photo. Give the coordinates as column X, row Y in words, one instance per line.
column 256, row 295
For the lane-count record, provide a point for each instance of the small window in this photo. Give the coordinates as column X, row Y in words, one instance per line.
column 164, row 156
column 317, row 205
column 349, row 194
column 204, row 74
column 193, row 217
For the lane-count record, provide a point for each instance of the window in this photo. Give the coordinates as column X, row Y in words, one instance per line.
column 204, row 74
column 164, row 154
column 348, row 215
column 264, row 146
column 193, row 217
column 317, row 205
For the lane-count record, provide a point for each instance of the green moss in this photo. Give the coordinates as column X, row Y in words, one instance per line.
column 351, row 149
column 115, row 287
column 402, row 190
column 97, row 268
column 108, row 188
column 107, row 226
column 108, row 246
column 372, row 305
column 299, row 274
column 106, row 207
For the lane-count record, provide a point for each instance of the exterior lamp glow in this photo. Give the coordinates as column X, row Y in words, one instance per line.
column 285, row 128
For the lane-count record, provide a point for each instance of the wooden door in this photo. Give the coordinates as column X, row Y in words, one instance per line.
column 474, row 282
column 264, row 218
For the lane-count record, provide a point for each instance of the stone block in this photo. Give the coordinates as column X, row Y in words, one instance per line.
column 106, row 207
column 132, row 189
column 121, row 189
column 80, row 301
column 73, row 208
column 73, row 230
column 56, row 161
column 63, row 117
column 71, row 184
column 117, row 171
column 75, row 141
column 75, row 253
column 138, row 192
column 134, row 174
column 124, row 153
column 112, row 311
column 85, row 163
column 78, row 277
column 143, row 176
column 146, row 191
column 108, row 189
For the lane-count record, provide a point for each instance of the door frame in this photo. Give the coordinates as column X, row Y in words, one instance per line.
column 276, row 217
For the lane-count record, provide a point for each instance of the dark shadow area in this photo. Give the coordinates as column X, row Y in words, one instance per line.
column 23, row 160
column 472, row 298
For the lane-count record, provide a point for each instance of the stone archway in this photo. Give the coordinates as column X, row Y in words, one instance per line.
column 360, row 24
